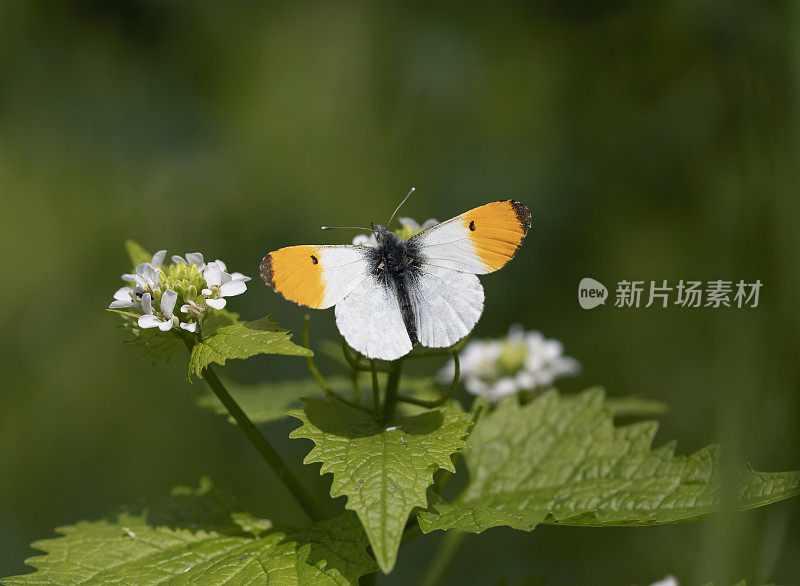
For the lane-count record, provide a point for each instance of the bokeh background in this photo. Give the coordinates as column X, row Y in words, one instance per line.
column 651, row 140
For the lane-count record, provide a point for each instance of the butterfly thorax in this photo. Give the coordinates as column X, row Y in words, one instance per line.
column 396, row 264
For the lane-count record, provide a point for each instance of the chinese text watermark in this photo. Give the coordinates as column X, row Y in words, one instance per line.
column 684, row 293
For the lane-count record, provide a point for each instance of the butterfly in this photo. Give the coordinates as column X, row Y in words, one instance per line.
column 398, row 293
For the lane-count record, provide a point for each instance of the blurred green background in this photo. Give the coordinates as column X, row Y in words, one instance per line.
column 651, row 140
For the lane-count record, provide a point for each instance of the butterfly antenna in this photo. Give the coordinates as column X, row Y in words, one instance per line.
column 413, row 189
column 346, row 228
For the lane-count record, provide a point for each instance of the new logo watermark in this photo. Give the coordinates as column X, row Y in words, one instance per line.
column 690, row 294
column 591, row 293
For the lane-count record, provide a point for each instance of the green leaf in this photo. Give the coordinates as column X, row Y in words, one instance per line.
column 136, row 253
column 268, row 401
column 157, row 345
column 242, row 340
column 218, row 318
column 384, row 473
column 560, row 460
column 200, row 536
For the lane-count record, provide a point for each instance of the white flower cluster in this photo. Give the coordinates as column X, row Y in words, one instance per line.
column 408, row 228
column 522, row 361
column 154, row 291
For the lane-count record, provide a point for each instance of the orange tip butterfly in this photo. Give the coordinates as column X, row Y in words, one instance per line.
column 403, row 292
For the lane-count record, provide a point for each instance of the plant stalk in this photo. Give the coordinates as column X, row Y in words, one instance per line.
column 268, row 453
column 392, row 384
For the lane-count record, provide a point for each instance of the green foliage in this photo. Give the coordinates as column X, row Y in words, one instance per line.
column 137, row 253
column 158, row 346
column 242, row 340
column 560, row 460
column 384, row 473
column 268, row 401
column 218, row 318
column 200, row 536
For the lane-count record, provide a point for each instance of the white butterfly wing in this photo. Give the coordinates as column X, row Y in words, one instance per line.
column 447, row 305
column 370, row 320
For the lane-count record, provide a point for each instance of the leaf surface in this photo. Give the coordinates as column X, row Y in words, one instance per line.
column 200, row 537
column 383, row 472
column 242, row 340
column 561, row 460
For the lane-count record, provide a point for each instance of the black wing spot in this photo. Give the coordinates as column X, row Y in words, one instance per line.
column 472, row 225
column 314, row 259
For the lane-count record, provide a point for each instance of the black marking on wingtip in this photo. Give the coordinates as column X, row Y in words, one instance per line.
column 523, row 213
column 266, row 270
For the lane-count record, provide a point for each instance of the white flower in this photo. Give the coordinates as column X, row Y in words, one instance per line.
column 668, row 580
column 156, row 261
column 163, row 320
column 414, row 226
column 364, row 240
column 234, row 276
column 220, row 285
column 523, row 360
column 177, row 285
column 124, row 297
column 408, row 228
column 192, row 258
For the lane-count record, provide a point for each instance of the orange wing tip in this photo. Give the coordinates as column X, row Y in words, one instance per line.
column 497, row 230
column 296, row 273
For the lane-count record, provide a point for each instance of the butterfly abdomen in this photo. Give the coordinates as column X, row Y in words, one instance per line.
column 397, row 264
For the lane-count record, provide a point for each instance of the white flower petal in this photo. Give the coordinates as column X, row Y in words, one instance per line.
column 410, row 223
column 240, row 277
column 148, row 321
column 158, row 258
column 222, row 266
column 122, row 303
column 365, row 240
column 232, row 288
column 668, row 580
column 216, row 303
column 147, row 304
column 430, row 223
column 131, row 277
column 123, row 294
column 168, row 300
column 190, row 327
column 213, row 276
column 166, row 325
column 179, row 259
column 195, row 258
column 207, row 292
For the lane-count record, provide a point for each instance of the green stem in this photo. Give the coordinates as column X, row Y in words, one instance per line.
column 376, row 390
column 356, row 389
column 444, row 555
column 392, row 384
column 268, row 453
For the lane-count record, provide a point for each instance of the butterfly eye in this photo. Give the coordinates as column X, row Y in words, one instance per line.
column 472, row 225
